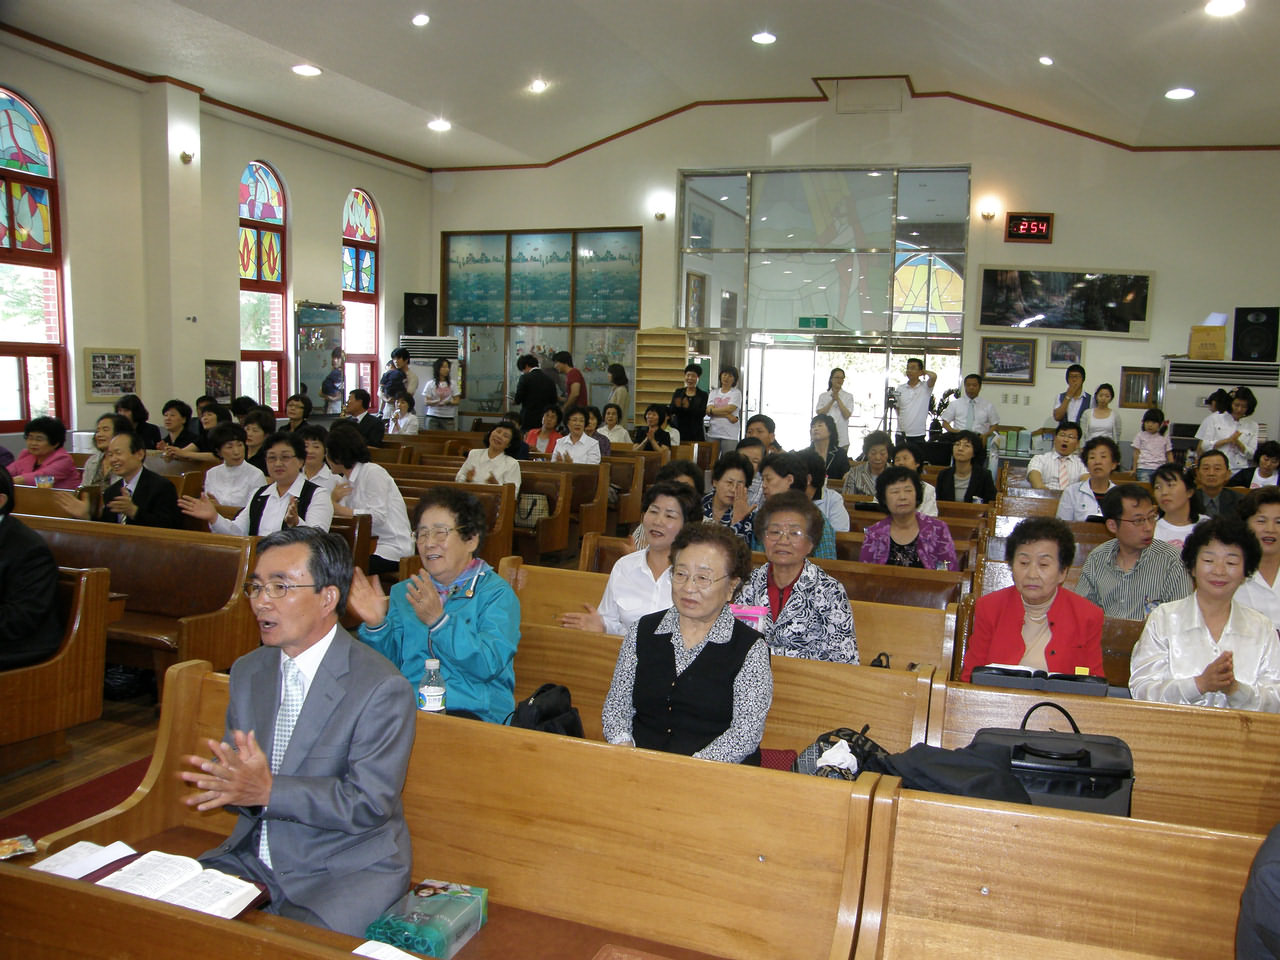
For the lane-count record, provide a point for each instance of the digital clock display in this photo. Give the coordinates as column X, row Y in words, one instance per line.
column 1028, row 228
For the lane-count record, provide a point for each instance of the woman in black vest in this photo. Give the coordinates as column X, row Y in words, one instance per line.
column 693, row 679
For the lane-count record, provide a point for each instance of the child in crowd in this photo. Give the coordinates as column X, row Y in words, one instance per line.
column 1152, row 449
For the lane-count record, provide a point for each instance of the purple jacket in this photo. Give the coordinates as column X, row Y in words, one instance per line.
column 933, row 546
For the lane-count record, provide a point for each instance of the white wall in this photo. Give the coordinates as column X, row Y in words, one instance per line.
column 1178, row 215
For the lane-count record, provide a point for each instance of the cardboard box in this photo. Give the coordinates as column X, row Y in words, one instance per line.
column 1207, row 343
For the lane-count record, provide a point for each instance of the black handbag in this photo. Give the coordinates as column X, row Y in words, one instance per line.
column 1072, row 771
column 550, row 709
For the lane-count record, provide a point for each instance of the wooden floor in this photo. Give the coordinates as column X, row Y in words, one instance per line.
column 126, row 732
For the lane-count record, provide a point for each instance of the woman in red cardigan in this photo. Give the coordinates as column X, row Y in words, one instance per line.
column 1037, row 622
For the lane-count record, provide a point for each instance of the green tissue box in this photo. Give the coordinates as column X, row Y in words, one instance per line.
column 434, row 918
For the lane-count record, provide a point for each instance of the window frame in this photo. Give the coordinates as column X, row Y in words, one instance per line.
column 279, row 287
column 365, row 361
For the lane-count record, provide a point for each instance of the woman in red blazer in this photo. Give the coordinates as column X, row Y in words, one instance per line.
column 1037, row 622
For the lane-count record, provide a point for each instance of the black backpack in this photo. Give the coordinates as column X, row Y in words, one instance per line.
column 550, row 709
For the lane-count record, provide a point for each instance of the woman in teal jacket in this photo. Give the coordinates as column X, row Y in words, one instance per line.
column 457, row 610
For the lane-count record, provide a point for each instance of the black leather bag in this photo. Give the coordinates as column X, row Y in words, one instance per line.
column 1072, row 771
column 550, row 709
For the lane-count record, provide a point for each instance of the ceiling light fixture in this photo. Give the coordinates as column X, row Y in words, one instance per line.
column 764, row 38
column 307, row 70
column 538, row 86
column 440, row 125
column 1046, row 61
column 1223, row 8
column 420, row 20
column 1180, row 93
column 723, row 199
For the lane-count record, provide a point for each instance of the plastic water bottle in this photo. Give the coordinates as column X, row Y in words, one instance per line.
column 431, row 690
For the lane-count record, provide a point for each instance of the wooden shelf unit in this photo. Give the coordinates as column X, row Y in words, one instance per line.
column 662, row 353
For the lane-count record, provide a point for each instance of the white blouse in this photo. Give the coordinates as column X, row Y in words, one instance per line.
column 632, row 592
column 233, row 486
column 500, row 469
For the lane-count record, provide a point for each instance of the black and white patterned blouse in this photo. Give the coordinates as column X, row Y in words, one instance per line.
column 752, row 689
column 816, row 623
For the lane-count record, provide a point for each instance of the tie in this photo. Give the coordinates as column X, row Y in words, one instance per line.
column 286, row 717
column 124, row 491
column 968, row 418
column 1064, row 479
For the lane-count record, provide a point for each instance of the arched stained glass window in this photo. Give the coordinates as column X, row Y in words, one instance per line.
column 360, row 288
column 262, row 246
column 33, row 355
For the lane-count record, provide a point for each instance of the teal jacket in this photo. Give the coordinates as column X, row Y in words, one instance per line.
column 475, row 642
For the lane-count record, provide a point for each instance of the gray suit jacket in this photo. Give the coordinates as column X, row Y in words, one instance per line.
column 339, row 844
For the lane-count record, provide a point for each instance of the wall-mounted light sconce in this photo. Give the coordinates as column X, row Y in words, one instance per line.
column 660, row 203
column 186, row 156
column 659, row 215
column 988, row 207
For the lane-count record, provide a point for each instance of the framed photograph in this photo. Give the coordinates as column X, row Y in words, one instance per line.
column 1099, row 303
column 110, row 373
column 220, row 380
column 1063, row 353
column 1140, row 387
column 1008, row 361
column 695, row 299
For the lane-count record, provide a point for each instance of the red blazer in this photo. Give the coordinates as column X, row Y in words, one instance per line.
column 1075, row 626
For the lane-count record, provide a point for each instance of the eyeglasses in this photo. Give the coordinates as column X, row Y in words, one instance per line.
column 280, row 457
column 1147, row 521
column 274, row 589
column 432, row 534
column 700, row 580
column 785, row 533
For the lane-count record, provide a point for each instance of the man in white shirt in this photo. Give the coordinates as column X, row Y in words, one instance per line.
column 913, row 400
column 577, row 447
column 232, row 482
column 1060, row 467
column 1083, row 500
column 972, row 412
column 289, row 500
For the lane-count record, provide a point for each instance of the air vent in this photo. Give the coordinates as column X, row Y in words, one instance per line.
column 1229, row 373
column 428, row 348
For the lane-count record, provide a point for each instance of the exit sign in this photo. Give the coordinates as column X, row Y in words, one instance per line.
column 813, row 323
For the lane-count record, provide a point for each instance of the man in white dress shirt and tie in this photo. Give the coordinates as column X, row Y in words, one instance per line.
column 972, row 412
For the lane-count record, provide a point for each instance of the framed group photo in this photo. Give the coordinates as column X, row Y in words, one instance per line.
column 1008, row 360
column 110, row 373
column 1063, row 353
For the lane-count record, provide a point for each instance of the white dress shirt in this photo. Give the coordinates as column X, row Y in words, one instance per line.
column 632, row 592
column 1176, row 646
column 499, row 469
column 374, row 492
column 233, row 486
column 831, row 506
column 1077, row 503
column 319, row 512
column 978, row 414
column 586, row 450
column 1256, row 594
column 1223, row 426
column 913, row 407
column 1053, row 467
column 842, row 422
column 325, row 478
column 929, row 502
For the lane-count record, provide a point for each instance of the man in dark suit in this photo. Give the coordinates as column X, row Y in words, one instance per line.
column 1212, row 474
column 370, row 425
column 138, row 497
column 320, row 819
column 535, row 391
column 30, row 622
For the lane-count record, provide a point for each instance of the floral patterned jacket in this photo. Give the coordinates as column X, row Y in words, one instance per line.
column 816, row 623
column 933, row 546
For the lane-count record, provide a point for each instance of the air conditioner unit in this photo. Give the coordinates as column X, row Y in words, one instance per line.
column 429, row 348
column 1223, row 373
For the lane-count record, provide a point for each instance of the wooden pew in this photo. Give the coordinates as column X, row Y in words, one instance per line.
column 626, row 473
column 810, row 697
column 39, row 702
column 902, row 585
column 185, row 589
column 654, row 460
column 1001, row 525
column 389, row 454
column 967, row 879
column 1192, row 765
column 499, row 503
column 42, row 501
column 991, row 575
column 565, row 828
column 599, row 553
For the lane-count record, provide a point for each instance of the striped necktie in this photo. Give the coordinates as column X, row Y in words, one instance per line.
column 286, row 717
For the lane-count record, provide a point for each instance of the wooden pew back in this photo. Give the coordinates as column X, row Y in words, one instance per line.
column 1192, row 765
column 903, row 585
column 962, row 878
column 499, row 504
column 599, row 553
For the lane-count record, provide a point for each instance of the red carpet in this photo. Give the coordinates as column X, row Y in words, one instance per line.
column 72, row 806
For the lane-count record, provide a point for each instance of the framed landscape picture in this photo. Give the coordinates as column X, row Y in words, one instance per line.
column 1006, row 360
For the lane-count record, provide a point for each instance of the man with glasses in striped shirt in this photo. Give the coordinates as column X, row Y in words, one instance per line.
column 1130, row 576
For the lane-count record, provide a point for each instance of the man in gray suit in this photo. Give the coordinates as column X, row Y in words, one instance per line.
column 319, row 729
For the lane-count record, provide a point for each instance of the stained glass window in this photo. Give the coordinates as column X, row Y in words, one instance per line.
column 33, row 355
column 367, row 264
column 348, row 268
column 263, row 244
column 360, row 285
column 359, row 218
column 248, row 253
column 260, row 194
column 270, row 268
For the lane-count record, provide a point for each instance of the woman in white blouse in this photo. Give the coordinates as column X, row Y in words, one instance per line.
column 365, row 487
column 640, row 582
column 404, row 420
column 491, row 463
column 232, row 482
column 1235, row 432
column 1101, row 420
column 613, row 428
column 1209, row 649
column 838, row 404
column 724, row 407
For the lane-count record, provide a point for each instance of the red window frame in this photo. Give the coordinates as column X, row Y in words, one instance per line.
column 368, row 366
column 280, row 287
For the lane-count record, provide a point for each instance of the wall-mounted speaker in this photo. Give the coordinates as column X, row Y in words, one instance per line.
column 1256, row 333
column 420, row 314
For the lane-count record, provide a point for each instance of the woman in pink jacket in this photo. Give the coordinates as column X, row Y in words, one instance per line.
column 44, row 456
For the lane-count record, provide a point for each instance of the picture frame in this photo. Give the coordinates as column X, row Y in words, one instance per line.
column 1140, row 387
column 1008, row 360
column 1071, row 301
column 695, row 299
column 110, row 373
column 1063, row 353
column 220, row 380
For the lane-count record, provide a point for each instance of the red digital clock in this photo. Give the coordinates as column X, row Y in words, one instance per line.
column 1028, row 228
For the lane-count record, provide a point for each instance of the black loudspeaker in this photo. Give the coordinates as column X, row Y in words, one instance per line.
column 419, row 314
column 1256, row 333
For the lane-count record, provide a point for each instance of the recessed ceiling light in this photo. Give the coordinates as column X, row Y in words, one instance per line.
column 439, row 125
column 1223, row 8
column 420, row 20
column 902, row 216
column 915, row 233
column 723, row 199
column 306, row 70
column 538, row 86
column 1046, row 61
column 787, row 272
column 764, row 38
column 874, row 173
column 1180, row 93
